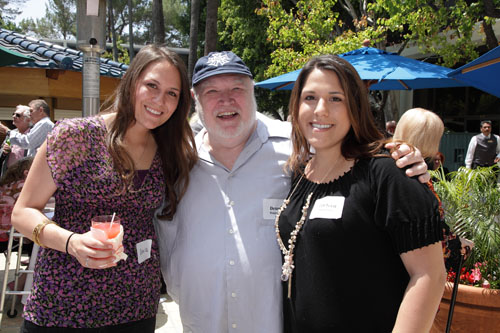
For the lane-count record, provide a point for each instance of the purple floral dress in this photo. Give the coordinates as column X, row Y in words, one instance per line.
column 64, row 293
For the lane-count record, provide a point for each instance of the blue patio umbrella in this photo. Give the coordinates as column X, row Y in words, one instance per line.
column 482, row 73
column 280, row 82
column 389, row 70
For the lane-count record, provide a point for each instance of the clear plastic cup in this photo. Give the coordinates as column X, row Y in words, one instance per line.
column 102, row 227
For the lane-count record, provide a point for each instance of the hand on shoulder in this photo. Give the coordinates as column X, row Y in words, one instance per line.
column 411, row 157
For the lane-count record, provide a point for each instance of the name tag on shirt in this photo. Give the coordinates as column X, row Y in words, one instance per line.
column 330, row 207
column 143, row 250
column 270, row 208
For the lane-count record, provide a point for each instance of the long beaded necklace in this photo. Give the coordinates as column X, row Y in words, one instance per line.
column 288, row 264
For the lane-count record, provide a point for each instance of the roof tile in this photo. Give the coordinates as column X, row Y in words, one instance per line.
column 48, row 55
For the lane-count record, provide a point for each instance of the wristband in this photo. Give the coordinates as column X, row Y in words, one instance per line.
column 67, row 241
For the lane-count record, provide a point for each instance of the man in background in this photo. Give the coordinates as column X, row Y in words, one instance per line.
column 42, row 125
column 10, row 153
column 483, row 148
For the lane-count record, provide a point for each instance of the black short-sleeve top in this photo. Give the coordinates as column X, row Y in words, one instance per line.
column 348, row 274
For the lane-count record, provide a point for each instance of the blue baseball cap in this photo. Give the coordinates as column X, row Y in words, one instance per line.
column 215, row 63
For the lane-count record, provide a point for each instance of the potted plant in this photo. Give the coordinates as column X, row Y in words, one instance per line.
column 471, row 203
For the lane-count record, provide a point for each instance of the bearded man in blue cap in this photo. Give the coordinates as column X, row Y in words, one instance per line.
column 219, row 254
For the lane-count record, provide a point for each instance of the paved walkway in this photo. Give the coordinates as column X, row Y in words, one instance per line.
column 167, row 320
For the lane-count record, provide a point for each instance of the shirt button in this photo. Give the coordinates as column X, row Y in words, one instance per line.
column 231, row 203
column 234, row 325
column 231, row 262
column 233, row 295
column 231, row 231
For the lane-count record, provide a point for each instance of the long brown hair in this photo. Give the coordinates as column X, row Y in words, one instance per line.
column 363, row 138
column 174, row 138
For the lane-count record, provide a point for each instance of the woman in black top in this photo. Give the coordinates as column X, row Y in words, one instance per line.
column 361, row 240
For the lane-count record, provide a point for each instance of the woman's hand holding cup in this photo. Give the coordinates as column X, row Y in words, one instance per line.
column 108, row 229
column 91, row 252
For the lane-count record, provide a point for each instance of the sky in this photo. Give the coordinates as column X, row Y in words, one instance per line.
column 32, row 8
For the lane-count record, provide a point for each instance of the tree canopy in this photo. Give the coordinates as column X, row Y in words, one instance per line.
column 9, row 9
column 59, row 21
column 441, row 27
column 277, row 36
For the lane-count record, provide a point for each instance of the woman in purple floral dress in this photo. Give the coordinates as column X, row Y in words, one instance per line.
column 125, row 162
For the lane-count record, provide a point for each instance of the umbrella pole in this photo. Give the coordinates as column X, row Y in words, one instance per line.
column 455, row 290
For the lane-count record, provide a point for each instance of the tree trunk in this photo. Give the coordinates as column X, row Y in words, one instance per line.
column 193, row 36
column 491, row 11
column 211, row 26
column 112, row 30
column 158, row 22
column 491, row 39
column 130, row 31
column 377, row 106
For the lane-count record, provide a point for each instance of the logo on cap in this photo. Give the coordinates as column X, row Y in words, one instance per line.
column 215, row 63
column 218, row 59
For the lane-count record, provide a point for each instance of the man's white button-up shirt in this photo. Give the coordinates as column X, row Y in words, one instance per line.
column 220, row 257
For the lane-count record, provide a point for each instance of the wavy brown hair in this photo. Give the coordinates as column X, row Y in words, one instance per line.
column 174, row 138
column 363, row 139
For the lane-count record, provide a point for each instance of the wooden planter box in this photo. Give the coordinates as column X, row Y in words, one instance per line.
column 476, row 310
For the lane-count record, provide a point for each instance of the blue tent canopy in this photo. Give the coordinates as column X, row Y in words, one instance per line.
column 482, row 73
column 389, row 70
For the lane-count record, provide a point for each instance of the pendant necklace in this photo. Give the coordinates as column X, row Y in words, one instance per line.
column 288, row 265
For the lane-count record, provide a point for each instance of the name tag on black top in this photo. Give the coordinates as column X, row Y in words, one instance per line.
column 330, row 207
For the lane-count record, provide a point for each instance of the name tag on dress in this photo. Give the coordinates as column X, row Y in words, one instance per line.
column 270, row 208
column 143, row 250
column 328, row 208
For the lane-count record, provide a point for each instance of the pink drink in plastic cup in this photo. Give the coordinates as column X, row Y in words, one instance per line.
column 103, row 223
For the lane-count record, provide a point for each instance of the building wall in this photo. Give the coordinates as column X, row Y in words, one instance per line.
column 454, row 148
column 61, row 89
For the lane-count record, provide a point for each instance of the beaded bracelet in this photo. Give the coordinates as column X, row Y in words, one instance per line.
column 38, row 230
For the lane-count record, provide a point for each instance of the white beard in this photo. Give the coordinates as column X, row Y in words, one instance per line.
column 220, row 133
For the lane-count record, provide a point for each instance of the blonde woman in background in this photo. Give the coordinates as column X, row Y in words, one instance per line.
column 423, row 129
